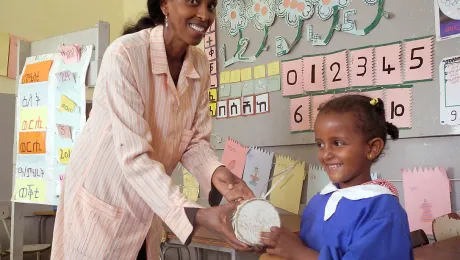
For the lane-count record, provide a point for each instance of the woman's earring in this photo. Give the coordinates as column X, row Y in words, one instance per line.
column 166, row 21
column 369, row 156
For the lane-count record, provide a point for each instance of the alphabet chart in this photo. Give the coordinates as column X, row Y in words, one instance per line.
column 50, row 115
column 449, row 76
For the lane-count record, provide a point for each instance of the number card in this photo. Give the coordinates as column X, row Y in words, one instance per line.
column 212, row 95
column 300, row 114
column 316, row 102
column 211, row 53
column 292, row 74
column 313, row 76
column 398, row 106
column 248, row 105
column 262, row 103
column 337, row 70
column 213, row 67
column 246, row 74
column 234, row 107
column 213, row 81
column 362, row 67
column 64, row 131
column 222, row 109
column 64, row 155
column 418, row 60
column 212, row 109
column 388, row 64
column 209, row 40
column 449, row 86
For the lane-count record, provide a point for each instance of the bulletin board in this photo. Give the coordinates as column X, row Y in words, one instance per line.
column 405, row 20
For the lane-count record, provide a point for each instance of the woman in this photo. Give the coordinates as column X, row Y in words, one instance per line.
column 150, row 110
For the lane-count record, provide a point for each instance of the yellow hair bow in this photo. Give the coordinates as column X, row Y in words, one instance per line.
column 374, row 101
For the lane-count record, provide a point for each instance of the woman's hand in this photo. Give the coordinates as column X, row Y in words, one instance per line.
column 219, row 221
column 230, row 186
column 282, row 242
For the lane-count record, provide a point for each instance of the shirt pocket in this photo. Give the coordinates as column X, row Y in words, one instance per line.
column 94, row 225
column 185, row 139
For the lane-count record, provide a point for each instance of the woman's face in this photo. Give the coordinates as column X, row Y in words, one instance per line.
column 190, row 19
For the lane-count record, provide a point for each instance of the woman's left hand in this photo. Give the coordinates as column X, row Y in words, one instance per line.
column 230, row 186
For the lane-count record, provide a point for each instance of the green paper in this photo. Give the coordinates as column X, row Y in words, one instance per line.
column 224, row 90
column 282, row 48
column 334, row 27
column 248, row 88
column 236, row 89
column 260, row 86
column 274, row 83
column 349, row 25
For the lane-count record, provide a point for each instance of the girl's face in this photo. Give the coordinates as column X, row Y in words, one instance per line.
column 342, row 150
column 190, row 19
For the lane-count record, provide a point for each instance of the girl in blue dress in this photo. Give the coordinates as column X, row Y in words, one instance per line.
column 353, row 218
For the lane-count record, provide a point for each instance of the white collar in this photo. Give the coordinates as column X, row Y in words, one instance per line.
column 352, row 193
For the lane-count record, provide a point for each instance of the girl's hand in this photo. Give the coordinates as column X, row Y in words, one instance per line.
column 282, row 242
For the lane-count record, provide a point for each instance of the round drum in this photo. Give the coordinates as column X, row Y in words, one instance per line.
column 253, row 217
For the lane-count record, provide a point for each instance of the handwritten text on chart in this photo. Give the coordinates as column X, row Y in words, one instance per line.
column 37, row 72
column 67, row 105
column 65, row 77
column 34, row 118
column 25, row 171
column 70, row 53
column 32, row 143
column 33, row 95
column 64, row 155
column 64, row 131
column 30, row 190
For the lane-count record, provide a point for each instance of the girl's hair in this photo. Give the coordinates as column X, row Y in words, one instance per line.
column 370, row 116
column 153, row 18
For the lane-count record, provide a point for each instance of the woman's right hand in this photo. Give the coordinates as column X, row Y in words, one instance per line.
column 219, row 220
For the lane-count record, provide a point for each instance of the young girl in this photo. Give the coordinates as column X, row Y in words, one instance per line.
column 353, row 217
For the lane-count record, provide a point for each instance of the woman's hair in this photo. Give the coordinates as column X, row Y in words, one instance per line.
column 370, row 116
column 153, row 18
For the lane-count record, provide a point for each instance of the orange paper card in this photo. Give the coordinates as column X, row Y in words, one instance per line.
column 37, row 72
column 32, row 142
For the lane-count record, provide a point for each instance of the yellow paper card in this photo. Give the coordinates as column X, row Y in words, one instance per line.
column 288, row 192
column 4, row 52
column 224, row 77
column 235, row 76
column 213, row 95
column 30, row 190
column 191, row 187
column 273, row 68
column 259, row 72
column 67, row 105
column 212, row 108
column 246, row 74
column 64, row 155
column 33, row 118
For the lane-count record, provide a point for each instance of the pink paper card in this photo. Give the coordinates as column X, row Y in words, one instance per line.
column 213, row 67
column 316, row 102
column 292, row 77
column 213, row 81
column 398, row 107
column 211, row 53
column 313, row 76
column 12, row 56
column 70, row 53
column 362, row 67
column 426, row 196
column 211, row 28
column 418, row 60
column 300, row 114
column 64, row 131
column 210, row 40
column 234, row 157
column 337, row 70
column 388, row 64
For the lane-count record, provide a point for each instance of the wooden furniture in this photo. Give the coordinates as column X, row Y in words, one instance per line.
column 418, row 238
column 446, row 226
column 448, row 249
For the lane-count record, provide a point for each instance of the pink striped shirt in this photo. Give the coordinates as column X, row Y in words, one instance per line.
column 118, row 188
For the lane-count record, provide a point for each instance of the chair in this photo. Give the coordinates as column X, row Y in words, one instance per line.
column 418, row 238
column 37, row 249
column 446, row 226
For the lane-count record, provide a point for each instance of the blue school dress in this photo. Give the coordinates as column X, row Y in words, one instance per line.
column 364, row 222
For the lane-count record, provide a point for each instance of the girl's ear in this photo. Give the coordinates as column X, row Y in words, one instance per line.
column 375, row 148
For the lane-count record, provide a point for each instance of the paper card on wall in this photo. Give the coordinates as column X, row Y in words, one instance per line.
column 234, row 107
column 64, row 155
column 64, row 131
column 212, row 109
column 246, row 74
column 236, row 89
column 213, row 81
column 224, row 90
column 37, row 72
column 34, row 118
column 248, row 105
column 235, row 76
column 317, row 180
column 274, row 83
column 234, row 157
column 313, row 73
column 316, row 102
column 259, row 72
column 213, row 67
column 222, row 109
column 260, row 86
column 212, row 28
column 70, row 53
column 209, row 40
column 288, row 192
column 292, row 77
column 67, row 105
column 273, row 68
column 426, row 196
column 224, row 77
column 36, row 170
column 248, row 88
column 300, row 114
column 262, row 103
column 211, row 53
column 257, row 169
column 32, row 143
column 33, row 190
column 398, row 107
column 374, row 94
column 4, row 51
column 388, row 64
column 362, row 67
column 191, row 187
column 337, row 70
column 12, row 56
column 212, row 94
column 449, row 87
column 418, row 60
column 65, row 78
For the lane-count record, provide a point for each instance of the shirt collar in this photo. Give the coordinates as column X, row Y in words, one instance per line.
column 160, row 61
